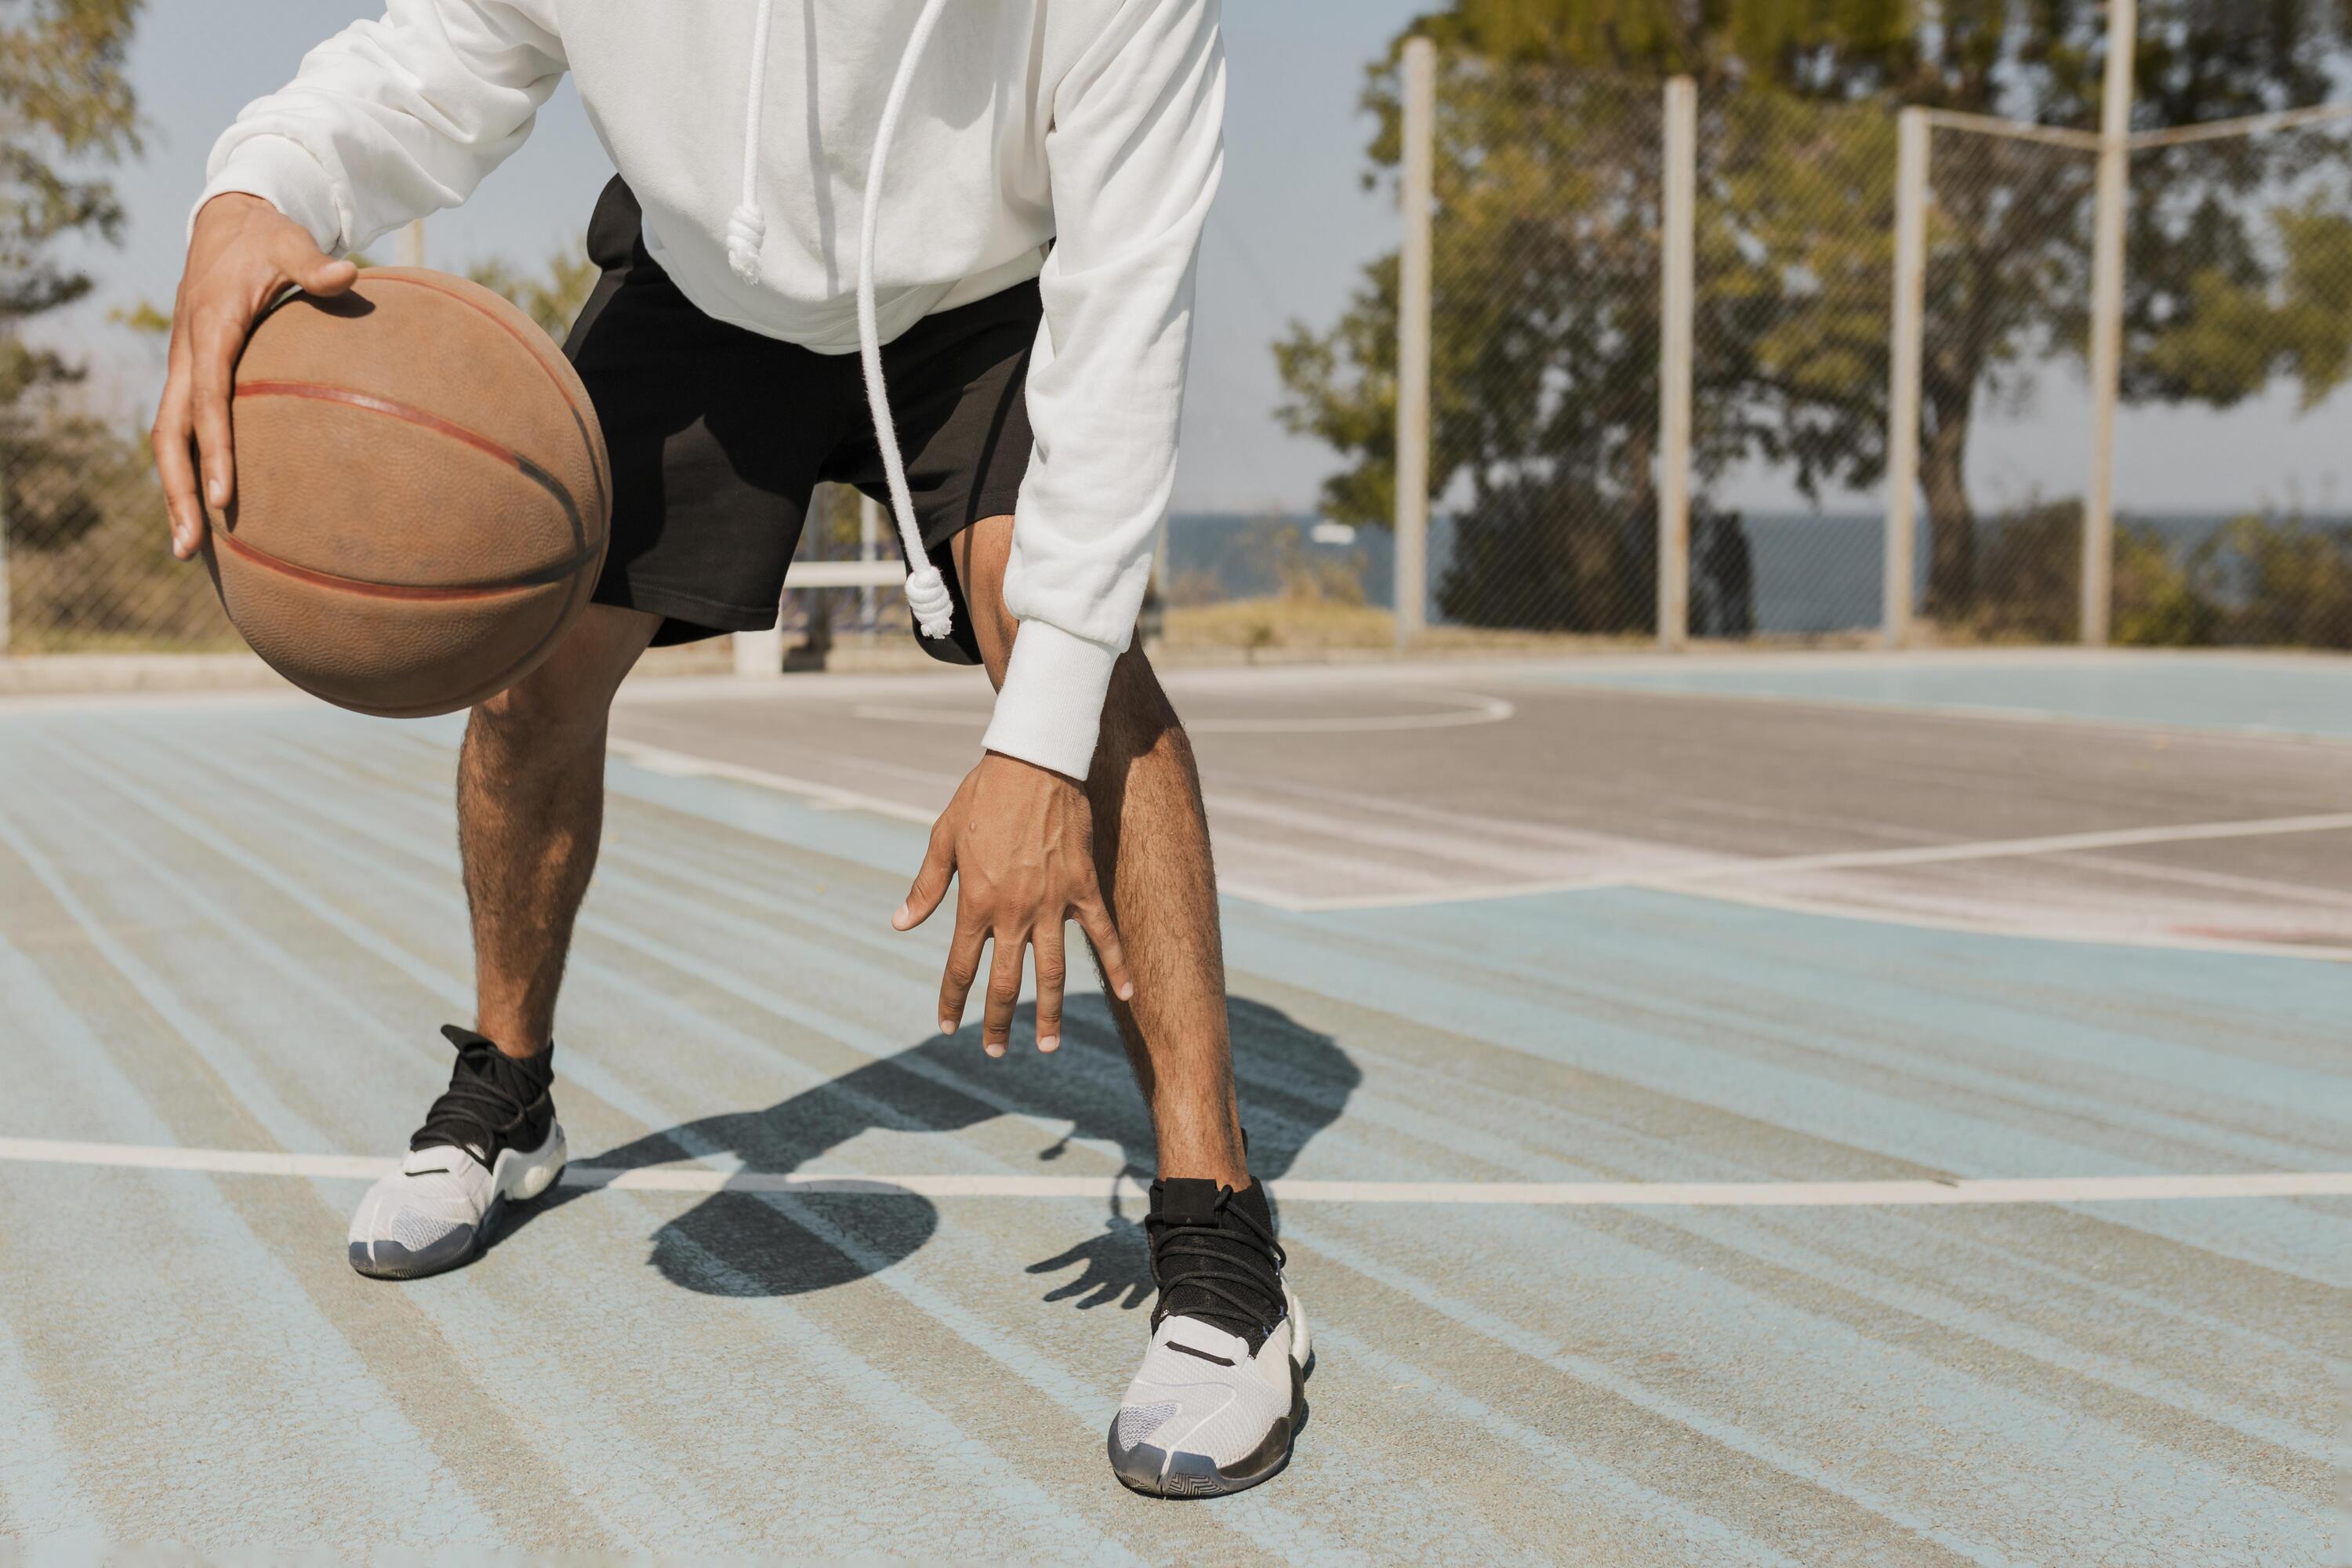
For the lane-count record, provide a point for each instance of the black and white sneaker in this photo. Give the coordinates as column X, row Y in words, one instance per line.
column 1223, row 1390
column 490, row 1139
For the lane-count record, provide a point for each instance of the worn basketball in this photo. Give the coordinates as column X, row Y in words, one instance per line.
column 422, row 494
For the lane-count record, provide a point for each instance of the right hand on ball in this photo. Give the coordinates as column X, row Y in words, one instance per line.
column 243, row 255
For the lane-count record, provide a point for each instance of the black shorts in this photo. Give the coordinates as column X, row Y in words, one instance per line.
column 718, row 435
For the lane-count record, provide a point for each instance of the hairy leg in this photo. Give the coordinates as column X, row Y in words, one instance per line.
column 530, row 810
column 1152, row 854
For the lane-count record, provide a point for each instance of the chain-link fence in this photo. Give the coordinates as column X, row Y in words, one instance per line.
column 1544, row 350
column 1793, row 241
column 84, row 554
column 2004, row 320
column 2239, row 303
column 2231, row 423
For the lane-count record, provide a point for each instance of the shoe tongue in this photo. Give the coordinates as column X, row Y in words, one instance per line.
column 1186, row 1200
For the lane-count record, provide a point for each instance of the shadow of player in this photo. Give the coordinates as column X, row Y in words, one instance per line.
column 1293, row 1082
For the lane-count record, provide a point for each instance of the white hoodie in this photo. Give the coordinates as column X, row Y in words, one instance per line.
column 1077, row 141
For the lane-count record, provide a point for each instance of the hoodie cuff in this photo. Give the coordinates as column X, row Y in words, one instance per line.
column 281, row 172
column 1050, row 707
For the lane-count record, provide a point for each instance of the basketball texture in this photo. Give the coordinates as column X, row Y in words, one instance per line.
column 423, row 494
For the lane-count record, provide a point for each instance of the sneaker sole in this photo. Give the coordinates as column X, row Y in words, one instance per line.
column 530, row 1175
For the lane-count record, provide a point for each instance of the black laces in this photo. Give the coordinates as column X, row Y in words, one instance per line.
column 1225, row 1270
column 492, row 1102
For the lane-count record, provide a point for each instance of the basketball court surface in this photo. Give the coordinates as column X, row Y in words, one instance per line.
column 1869, row 1109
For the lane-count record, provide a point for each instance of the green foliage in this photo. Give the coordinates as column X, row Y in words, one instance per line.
column 2258, row 580
column 65, row 107
column 554, row 299
column 2246, row 325
column 2295, row 582
column 68, row 481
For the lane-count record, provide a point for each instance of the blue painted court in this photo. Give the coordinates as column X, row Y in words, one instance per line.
column 1624, row 1062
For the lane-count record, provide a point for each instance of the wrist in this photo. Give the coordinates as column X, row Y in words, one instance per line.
column 1006, row 764
column 232, row 208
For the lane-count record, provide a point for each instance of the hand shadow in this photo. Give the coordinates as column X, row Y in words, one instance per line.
column 1293, row 1082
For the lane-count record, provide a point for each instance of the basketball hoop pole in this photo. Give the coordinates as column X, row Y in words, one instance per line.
column 2107, row 320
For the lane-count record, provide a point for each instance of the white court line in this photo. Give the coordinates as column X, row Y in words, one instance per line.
column 1471, row 709
column 2022, row 925
column 1677, row 1195
column 684, row 765
column 1695, row 879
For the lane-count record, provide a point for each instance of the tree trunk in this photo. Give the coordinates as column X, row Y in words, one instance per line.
column 1952, row 560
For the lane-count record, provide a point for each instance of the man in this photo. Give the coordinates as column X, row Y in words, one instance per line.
column 1016, row 277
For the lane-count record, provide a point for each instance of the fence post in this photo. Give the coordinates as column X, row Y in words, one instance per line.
column 2107, row 320
column 1412, row 339
column 1912, row 131
column 869, row 538
column 1676, row 292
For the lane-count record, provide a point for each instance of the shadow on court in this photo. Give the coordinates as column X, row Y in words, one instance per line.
column 1295, row 1081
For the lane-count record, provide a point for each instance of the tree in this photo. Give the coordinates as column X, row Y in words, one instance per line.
column 65, row 104
column 1545, row 342
column 66, row 111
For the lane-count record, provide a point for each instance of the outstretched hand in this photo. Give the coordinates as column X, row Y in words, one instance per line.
column 243, row 254
column 1021, row 837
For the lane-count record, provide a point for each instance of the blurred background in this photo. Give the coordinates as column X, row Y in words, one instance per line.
column 1677, row 287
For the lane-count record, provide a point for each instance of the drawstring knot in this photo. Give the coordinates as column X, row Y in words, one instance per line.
column 746, row 232
column 928, row 596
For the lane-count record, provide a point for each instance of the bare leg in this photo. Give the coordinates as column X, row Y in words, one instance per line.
column 530, row 810
column 1152, row 853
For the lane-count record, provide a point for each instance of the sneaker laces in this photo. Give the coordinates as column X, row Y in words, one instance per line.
column 491, row 1097
column 1226, row 1270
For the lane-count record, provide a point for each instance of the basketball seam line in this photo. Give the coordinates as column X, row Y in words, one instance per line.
column 542, row 578
column 600, row 458
column 369, row 403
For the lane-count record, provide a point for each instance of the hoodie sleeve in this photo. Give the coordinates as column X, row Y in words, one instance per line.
column 1134, row 155
column 394, row 118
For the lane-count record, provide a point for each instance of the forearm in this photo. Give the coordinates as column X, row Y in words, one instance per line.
column 1136, row 156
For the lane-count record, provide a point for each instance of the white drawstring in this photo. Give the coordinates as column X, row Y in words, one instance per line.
column 747, row 230
column 927, row 591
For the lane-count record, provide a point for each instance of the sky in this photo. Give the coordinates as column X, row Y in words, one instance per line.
column 1287, row 241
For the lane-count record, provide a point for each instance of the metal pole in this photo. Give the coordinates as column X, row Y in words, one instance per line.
column 869, row 535
column 1676, row 292
column 2107, row 320
column 1412, row 339
column 1912, row 131
column 7, row 630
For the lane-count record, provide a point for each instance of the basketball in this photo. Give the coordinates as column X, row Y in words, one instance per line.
column 422, row 494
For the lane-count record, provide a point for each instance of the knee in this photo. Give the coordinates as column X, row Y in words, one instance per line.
column 565, row 700
column 549, row 710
